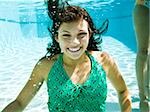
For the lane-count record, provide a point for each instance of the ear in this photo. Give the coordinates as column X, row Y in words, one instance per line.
column 90, row 32
column 56, row 38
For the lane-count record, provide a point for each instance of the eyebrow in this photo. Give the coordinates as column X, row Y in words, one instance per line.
column 69, row 32
column 66, row 31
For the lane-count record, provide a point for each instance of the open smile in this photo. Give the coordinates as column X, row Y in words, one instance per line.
column 74, row 49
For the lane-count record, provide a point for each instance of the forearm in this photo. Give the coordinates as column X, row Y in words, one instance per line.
column 14, row 106
column 125, row 101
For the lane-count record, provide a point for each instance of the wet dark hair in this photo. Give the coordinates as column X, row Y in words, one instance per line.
column 61, row 13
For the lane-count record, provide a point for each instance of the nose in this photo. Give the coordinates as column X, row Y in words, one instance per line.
column 76, row 41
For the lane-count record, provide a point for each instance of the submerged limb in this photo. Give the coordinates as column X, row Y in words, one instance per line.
column 143, row 81
column 141, row 21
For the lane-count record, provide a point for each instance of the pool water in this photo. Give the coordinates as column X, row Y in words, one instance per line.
column 24, row 37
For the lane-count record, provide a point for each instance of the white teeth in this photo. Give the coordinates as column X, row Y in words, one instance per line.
column 74, row 49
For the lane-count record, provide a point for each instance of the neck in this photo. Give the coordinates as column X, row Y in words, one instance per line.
column 71, row 62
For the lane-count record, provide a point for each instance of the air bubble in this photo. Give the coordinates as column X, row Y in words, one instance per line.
column 54, row 6
column 39, row 63
column 34, row 85
column 40, row 83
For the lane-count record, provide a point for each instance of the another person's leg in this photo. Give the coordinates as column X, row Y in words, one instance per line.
column 141, row 22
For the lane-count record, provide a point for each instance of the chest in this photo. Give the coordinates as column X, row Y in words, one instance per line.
column 78, row 74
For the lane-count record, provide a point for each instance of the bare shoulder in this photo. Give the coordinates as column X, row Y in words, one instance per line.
column 43, row 66
column 106, row 60
column 102, row 56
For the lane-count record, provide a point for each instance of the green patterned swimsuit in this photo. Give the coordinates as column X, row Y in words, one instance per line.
column 64, row 96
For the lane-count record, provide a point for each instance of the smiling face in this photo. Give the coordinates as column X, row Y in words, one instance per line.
column 73, row 38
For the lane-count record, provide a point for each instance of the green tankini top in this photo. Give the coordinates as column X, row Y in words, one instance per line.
column 64, row 96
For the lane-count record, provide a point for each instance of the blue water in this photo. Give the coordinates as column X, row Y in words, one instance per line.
column 33, row 16
column 24, row 37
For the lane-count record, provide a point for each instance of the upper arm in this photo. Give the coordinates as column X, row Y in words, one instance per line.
column 115, row 77
column 33, row 84
column 113, row 72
